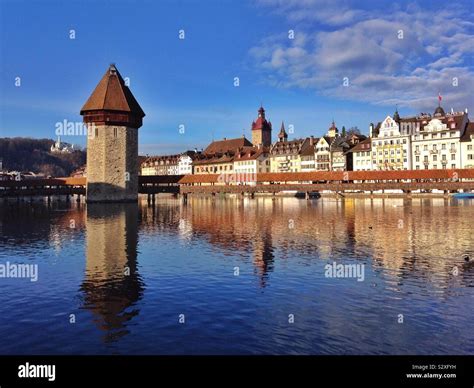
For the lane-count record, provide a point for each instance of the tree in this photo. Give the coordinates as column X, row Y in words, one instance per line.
column 353, row 131
column 343, row 131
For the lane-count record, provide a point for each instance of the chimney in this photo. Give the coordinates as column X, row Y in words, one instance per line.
column 311, row 140
column 371, row 129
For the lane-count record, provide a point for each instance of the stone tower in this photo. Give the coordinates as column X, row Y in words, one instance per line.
column 261, row 130
column 113, row 117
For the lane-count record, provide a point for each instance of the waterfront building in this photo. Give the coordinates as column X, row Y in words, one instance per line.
column 322, row 152
column 252, row 160
column 436, row 141
column 467, row 147
column 285, row 156
column 341, row 159
column 308, row 162
column 391, row 150
column 185, row 162
column 362, row 155
column 112, row 148
column 160, row 165
column 218, row 157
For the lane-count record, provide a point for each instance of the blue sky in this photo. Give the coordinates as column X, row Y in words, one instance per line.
column 190, row 82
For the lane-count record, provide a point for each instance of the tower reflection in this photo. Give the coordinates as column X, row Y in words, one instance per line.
column 112, row 285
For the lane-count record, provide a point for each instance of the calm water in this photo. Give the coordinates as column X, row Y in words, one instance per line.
column 130, row 273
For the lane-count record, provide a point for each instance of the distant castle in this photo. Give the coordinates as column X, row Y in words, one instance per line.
column 62, row 148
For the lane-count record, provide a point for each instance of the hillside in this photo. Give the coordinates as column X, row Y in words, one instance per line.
column 25, row 154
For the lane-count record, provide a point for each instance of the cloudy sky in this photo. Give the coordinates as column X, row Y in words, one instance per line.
column 306, row 61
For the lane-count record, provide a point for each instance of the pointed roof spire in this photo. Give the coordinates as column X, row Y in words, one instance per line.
column 396, row 116
column 112, row 94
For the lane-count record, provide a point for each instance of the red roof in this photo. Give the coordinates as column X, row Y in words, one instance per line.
column 226, row 145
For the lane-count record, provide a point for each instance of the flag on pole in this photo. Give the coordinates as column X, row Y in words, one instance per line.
column 439, row 97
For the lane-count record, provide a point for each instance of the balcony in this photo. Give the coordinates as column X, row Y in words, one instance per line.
column 418, row 152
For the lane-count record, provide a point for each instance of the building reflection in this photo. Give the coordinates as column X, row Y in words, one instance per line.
column 112, row 285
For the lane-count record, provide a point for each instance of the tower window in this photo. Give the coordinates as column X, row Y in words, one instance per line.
column 115, row 132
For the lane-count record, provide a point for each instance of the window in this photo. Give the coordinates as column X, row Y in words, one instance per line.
column 443, row 146
column 453, row 156
column 425, row 159
column 469, row 147
column 470, row 157
column 417, row 148
column 435, row 158
column 453, row 165
column 435, row 166
column 417, row 158
column 425, row 147
column 115, row 132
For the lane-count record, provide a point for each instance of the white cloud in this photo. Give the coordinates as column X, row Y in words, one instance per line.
column 437, row 48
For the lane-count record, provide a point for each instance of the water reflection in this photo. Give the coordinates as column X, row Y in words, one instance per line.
column 112, row 285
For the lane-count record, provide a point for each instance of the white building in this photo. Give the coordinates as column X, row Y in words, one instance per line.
column 252, row 160
column 362, row 155
column 185, row 162
column 61, row 147
column 391, row 150
column 437, row 143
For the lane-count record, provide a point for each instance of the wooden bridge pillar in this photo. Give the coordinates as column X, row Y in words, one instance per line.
column 148, row 199
column 306, row 195
column 153, row 199
column 78, row 198
column 67, row 198
column 446, row 194
column 185, row 197
column 49, row 200
column 252, row 195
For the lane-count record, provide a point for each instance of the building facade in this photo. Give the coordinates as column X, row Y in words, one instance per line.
column 160, row 165
column 362, row 155
column 285, row 156
column 391, row 150
column 185, row 162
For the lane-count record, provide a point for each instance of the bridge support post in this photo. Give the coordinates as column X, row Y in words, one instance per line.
column 252, row 195
column 242, row 195
column 306, row 195
column 78, row 198
column 67, row 198
column 409, row 194
column 148, row 199
column 446, row 194
column 185, row 197
column 153, row 199
column 49, row 199
column 371, row 194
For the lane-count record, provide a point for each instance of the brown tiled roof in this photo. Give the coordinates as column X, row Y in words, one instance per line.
column 222, row 146
column 288, row 147
column 250, row 153
column 468, row 132
column 112, row 94
column 364, row 145
column 341, row 176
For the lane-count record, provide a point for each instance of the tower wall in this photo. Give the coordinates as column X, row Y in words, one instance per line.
column 112, row 164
